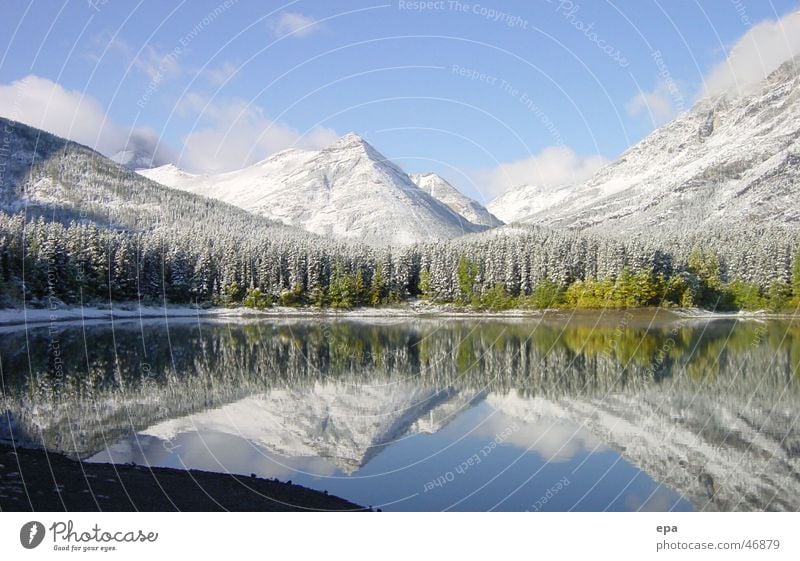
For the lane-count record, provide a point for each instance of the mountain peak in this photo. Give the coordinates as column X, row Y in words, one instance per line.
column 441, row 190
column 731, row 159
column 788, row 70
column 352, row 141
column 348, row 190
column 353, row 137
column 134, row 159
column 170, row 168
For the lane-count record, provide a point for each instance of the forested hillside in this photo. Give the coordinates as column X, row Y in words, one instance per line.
column 79, row 228
column 84, row 262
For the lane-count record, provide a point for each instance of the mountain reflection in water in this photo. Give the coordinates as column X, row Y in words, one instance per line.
column 609, row 411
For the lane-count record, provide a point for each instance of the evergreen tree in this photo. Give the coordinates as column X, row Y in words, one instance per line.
column 256, row 299
column 291, row 297
column 467, row 272
column 779, row 295
column 360, row 294
column 745, row 296
column 231, row 293
column 705, row 265
column 377, row 289
column 496, row 298
column 546, row 294
column 340, row 291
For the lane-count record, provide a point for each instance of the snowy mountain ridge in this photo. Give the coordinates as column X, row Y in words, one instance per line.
column 525, row 201
column 440, row 189
column 730, row 159
column 345, row 425
column 347, row 190
column 714, row 451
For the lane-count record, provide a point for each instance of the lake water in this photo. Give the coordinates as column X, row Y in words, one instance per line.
column 603, row 411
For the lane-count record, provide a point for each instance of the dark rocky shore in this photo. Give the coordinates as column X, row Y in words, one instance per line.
column 40, row 481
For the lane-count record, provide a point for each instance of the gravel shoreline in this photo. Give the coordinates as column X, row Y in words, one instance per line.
column 34, row 480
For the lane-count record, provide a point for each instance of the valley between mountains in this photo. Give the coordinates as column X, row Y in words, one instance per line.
column 345, row 227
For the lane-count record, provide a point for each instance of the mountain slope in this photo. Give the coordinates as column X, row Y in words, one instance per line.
column 722, row 452
column 348, row 190
column 346, row 425
column 111, row 234
column 438, row 188
column 527, row 200
column 62, row 180
column 730, row 159
column 133, row 159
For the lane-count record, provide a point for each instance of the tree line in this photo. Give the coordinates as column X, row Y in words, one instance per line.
column 50, row 263
column 92, row 231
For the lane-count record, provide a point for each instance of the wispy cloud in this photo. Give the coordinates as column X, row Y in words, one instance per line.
column 149, row 60
column 552, row 166
column 232, row 133
column 294, row 24
column 753, row 57
column 235, row 133
column 158, row 65
column 660, row 105
column 216, row 76
column 43, row 104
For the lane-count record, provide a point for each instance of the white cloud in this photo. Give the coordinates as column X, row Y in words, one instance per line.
column 156, row 65
column 760, row 51
column 553, row 166
column 662, row 104
column 232, row 134
column 295, row 24
column 751, row 59
column 159, row 65
column 236, row 133
column 219, row 75
column 43, row 104
column 554, row 439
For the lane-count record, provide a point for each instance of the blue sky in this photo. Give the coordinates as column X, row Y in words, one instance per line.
column 541, row 90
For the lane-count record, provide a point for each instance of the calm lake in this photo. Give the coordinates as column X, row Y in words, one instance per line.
column 605, row 411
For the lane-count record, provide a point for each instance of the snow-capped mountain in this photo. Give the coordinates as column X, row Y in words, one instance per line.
column 141, row 152
column 133, row 159
column 714, row 450
column 346, row 425
column 347, row 190
column 438, row 188
column 730, row 159
column 43, row 173
column 527, row 200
